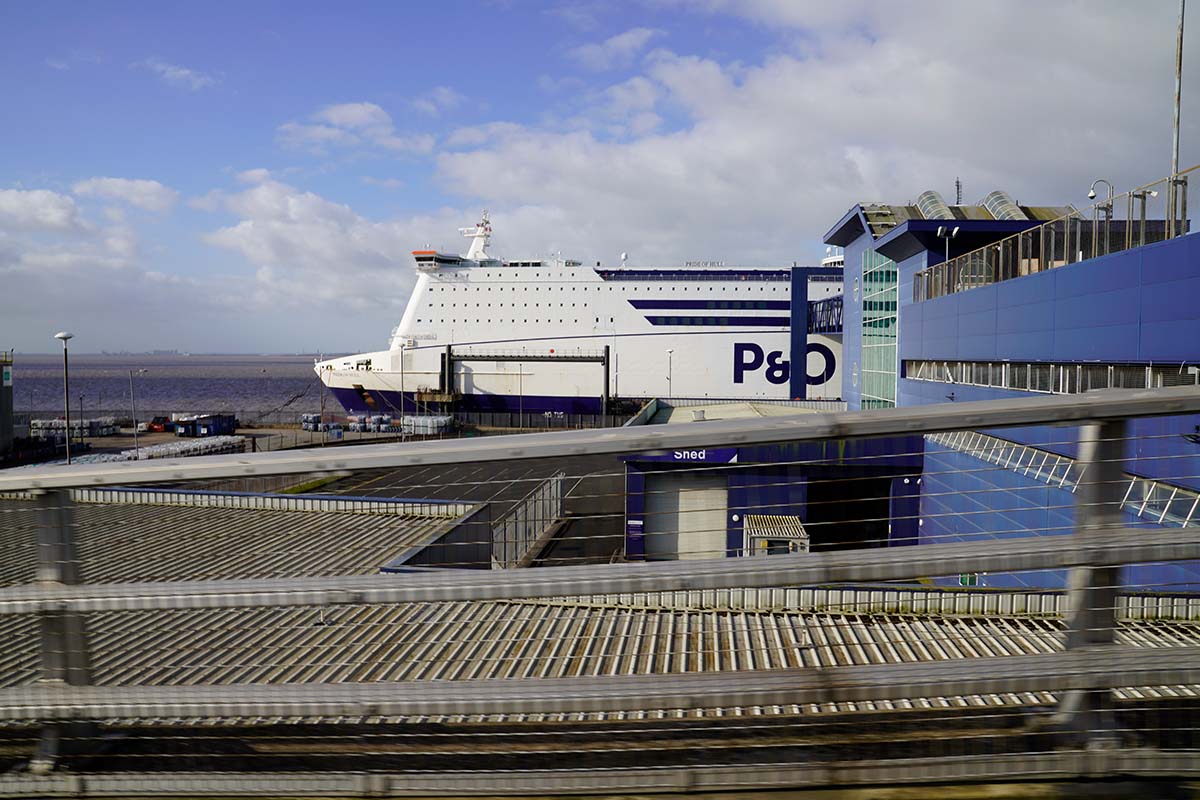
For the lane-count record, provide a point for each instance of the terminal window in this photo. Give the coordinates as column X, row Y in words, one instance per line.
column 880, row 291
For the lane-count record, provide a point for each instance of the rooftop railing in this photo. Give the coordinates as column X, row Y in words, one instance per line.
column 1151, row 213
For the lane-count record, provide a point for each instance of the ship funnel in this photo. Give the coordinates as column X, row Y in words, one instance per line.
column 1002, row 207
column 932, row 206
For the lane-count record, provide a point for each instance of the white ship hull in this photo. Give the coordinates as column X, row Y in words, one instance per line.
column 718, row 333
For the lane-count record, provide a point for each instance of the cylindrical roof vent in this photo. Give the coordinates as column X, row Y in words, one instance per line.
column 1002, row 207
column 932, row 206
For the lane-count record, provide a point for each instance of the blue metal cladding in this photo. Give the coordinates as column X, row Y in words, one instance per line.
column 798, row 382
column 774, row 479
column 1140, row 305
column 635, row 514
column 966, row 499
column 1159, row 448
column 904, row 511
column 763, row 490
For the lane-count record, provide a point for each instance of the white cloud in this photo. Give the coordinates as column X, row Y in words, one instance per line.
column 257, row 175
column 145, row 194
column 754, row 161
column 581, row 16
column 55, row 63
column 385, row 183
column 177, row 75
column 38, row 210
column 355, row 116
column 438, row 100
column 113, row 300
column 625, row 109
column 419, row 144
column 616, row 51
column 209, row 201
column 307, row 250
column 350, row 125
column 314, row 138
column 560, row 85
column 475, row 135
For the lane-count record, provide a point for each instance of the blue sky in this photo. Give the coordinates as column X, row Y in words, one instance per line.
column 251, row 177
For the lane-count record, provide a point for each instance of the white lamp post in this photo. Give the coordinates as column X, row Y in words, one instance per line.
column 670, row 351
column 64, row 336
column 137, row 454
column 1107, row 208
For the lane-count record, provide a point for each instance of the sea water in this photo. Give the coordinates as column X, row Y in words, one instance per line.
column 251, row 386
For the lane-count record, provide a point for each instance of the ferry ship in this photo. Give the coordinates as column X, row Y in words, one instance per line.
column 553, row 335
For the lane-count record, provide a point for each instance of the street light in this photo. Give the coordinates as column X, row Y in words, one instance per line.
column 947, row 233
column 137, row 455
column 670, row 351
column 1092, row 191
column 1107, row 207
column 64, row 337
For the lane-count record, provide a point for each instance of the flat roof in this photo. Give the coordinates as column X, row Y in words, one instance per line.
column 882, row 219
column 750, row 409
column 601, row 636
column 141, row 542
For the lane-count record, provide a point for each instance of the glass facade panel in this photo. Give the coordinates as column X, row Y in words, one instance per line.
column 880, row 291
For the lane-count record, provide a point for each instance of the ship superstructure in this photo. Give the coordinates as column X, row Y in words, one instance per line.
column 485, row 334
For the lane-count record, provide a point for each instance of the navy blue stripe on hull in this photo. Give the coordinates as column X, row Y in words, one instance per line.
column 715, row 305
column 745, row 322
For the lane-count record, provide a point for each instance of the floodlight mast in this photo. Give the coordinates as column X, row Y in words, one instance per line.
column 64, row 337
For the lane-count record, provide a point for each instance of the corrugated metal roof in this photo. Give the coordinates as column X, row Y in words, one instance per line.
column 777, row 526
column 528, row 639
column 163, row 543
column 883, row 217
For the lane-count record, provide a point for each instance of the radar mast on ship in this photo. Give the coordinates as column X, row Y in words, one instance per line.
column 480, row 236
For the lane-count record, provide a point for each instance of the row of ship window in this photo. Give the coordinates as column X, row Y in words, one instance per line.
column 550, row 287
column 513, row 305
column 712, row 304
column 1053, row 378
column 489, row 320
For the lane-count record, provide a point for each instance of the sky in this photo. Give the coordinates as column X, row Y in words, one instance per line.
column 252, row 177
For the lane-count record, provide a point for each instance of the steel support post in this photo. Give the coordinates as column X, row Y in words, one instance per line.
column 63, row 642
column 1092, row 591
column 604, row 397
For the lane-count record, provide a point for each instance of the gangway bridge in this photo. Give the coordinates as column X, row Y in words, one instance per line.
column 834, row 668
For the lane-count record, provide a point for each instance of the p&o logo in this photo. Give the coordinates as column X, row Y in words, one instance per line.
column 749, row 357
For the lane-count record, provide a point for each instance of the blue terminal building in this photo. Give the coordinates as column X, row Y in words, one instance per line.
column 1000, row 300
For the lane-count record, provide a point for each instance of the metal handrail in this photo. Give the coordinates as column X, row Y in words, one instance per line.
column 1026, row 252
column 1108, row 667
column 1008, row 412
column 1100, row 548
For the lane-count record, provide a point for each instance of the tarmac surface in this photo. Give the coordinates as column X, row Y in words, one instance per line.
column 594, row 502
